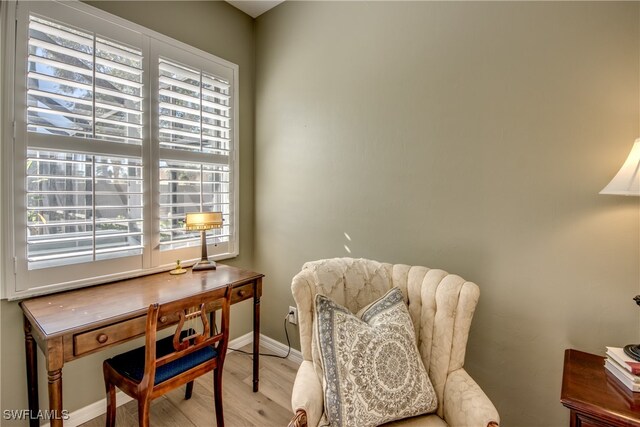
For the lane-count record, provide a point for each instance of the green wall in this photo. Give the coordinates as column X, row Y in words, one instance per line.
column 472, row 137
column 217, row 28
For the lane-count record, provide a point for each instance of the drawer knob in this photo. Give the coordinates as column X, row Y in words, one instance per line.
column 102, row 338
column 163, row 319
column 241, row 293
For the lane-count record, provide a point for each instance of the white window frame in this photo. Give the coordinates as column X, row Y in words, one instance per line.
column 16, row 278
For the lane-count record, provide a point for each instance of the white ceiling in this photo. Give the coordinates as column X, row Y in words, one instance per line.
column 254, row 8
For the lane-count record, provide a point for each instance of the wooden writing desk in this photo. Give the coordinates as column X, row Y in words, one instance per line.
column 73, row 324
column 595, row 397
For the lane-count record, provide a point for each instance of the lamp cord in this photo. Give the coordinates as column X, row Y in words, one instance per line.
column 286, row 333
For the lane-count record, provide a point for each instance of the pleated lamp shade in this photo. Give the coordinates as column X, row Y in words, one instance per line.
column 627, row 180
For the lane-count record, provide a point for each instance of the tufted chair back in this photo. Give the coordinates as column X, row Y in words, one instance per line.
column 441, row 306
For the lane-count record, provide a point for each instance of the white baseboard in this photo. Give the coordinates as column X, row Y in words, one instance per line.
column 241, row 341
column 269, row 344
column 280, row 349
column 93, row 410
column 98, row 408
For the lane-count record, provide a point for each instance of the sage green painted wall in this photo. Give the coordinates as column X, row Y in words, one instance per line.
column 217, row 28
column 472, row 137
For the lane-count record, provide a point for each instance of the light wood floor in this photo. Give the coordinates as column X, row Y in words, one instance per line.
column 271, row 406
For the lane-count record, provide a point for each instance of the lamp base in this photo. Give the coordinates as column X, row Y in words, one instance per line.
column 633, row 351
column 204, row 265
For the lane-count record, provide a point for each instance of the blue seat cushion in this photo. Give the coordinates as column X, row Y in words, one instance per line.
column 131, row 363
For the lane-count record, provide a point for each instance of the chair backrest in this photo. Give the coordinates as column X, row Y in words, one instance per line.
column 441, row 305
column 191, row 315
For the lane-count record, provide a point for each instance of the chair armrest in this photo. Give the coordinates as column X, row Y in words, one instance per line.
column 307, row 400
column 465, row 404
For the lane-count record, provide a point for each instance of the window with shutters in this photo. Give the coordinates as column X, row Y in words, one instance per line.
column 194, row 119
column 119, row 132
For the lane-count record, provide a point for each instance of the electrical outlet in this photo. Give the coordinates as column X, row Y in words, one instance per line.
column 293, row 315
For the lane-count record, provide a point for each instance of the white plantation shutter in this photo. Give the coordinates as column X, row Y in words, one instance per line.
column 60, row 80
column 192, row 187
column 81, row 207
column 82, row 86
column 119, row 132
column 194, row 137
column 194, row 109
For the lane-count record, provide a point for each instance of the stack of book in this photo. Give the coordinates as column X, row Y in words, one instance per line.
column 624, row 368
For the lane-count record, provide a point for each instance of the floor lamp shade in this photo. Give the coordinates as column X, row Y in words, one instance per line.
column 203, row 221
column 627, row 180
column 627, row 183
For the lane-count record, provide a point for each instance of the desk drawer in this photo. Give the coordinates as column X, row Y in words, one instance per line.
column 87, row 342
column 241, row 293
column 238, row 294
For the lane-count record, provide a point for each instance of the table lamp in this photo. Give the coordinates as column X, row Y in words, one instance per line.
column 203, row 221
column 627, row 183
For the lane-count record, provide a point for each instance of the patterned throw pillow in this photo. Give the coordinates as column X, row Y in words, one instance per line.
column 372, row 372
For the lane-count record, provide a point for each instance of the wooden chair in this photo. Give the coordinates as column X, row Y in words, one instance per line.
column 148, row 372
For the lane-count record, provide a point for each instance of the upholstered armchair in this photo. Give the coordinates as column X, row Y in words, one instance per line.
column 441, row 307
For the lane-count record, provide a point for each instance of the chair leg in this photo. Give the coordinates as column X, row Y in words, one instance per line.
column 111, row 406
column 111, row 401
column 189, row 391
column 143, row 412
column 217, row 394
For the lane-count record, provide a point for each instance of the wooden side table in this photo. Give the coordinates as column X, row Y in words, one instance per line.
column 595, row 397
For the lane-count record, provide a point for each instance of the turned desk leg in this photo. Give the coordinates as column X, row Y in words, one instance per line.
column 55, row 361
column 32, row 374
column 55, row 396
column 257, row 289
